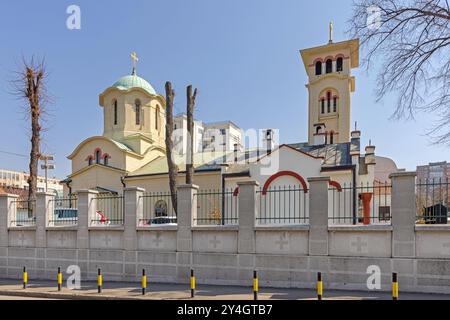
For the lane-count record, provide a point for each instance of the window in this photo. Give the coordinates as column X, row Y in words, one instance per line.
column 339, row 64
column 90, row 161
column 98, row 155
column 329, row 66
column 161, row 208
column 115, row 112
column 322, row 106
column 318, row 68
column 334, row 104
column 328, row 102
column 222, row 132
column 157, row 118
column 331, row 137
column 105, row 160
column 137, row 110
column 318, row 129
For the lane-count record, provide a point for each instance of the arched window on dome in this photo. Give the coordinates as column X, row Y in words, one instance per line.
column 339, row 64
column 137, row 111
column 328, row 101
column 334, row 104
column 329, row 66
column 115, row 111
column 157, row 118
column 322, row 105
column 318, row 68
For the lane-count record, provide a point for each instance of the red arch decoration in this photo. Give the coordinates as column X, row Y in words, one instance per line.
column 284, row 174
column 336, row 184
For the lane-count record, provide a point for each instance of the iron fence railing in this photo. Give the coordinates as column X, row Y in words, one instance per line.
column 283, row 205
column 109, row 210
column 366, row 203
column 65, row 211
column 432, row 201
column 157, row 209
column 216, row 207
column 25, row 213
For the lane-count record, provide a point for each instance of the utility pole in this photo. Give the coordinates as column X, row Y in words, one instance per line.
column 47, row 166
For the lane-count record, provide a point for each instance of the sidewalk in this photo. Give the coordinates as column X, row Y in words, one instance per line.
column 132, row 291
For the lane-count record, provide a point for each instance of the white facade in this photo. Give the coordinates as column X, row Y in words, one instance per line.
column 180, row 131
column 18, row 180
column 222, row 136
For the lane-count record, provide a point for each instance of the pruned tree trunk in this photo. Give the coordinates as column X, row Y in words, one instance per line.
column 190, row 127
column 30, row 86
column 173, row 168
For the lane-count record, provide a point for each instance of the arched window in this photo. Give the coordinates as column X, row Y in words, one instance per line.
column 318, row 68
column 334, row 104
column 329, row 66
column 90, row 160
column 318, row 129
column 115, row 111
column 157, row 118
column 331, row 137
column 322, row 107
column 161, row 208
column 339, row 64
column 137, row 111
column 328, row 101
column 98, row 155
column 106, row 159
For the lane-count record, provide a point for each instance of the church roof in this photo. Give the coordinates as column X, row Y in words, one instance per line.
column 133, row 81
column 335, row 155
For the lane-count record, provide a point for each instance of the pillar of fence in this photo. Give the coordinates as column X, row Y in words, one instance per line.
column 86, row 212
column 403, row 210
column 186, row 215
column 318, row 216
column 247, row 216
column 133, row 210
column 7, row 212
column 43, row 214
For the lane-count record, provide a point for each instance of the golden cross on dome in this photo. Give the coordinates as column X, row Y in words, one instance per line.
column 135, row 59
column 331, row 32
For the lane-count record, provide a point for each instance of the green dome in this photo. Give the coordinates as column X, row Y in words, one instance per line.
column 133, row 81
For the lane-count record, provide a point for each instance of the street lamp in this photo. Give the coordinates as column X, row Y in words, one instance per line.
column 47, row 166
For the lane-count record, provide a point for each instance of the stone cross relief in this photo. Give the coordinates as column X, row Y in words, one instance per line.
column 359, row 244
column 214, row 242
column 157, row 240
column 107, row 240
column 23, row 240
column 62, row 239
column 282, row 242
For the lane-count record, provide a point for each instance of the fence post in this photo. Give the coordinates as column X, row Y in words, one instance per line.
column 43, row 213
column 318, row 216
column 186, row 215
column 247, row 216
column 133, row 210
column 86, row 211
column 7, row 212
column 403, row 206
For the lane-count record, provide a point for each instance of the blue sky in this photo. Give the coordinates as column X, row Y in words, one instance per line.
column 243, row 55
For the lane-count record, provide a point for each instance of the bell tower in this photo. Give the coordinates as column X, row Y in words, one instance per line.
column 330, row 85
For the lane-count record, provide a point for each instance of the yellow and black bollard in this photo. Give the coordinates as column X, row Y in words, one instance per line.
column 99, row 280
column 25, row 277
column 319, row 286
column 394, row 286
column 59, row 279
column 192, row 284
column 255, row 285
column 144, row 282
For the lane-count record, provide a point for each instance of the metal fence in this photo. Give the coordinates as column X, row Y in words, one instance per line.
column 109, row 210
column 157, row 209
column 432, row 201
column 368, row 203
column 216, row 207
column 283, row 205
column 25, row 213
column 65, row 211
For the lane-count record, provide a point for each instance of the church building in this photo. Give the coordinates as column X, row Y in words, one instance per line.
column 131, row 150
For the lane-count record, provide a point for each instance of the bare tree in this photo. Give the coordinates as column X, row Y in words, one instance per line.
column 190, row 127
column 29, row 86
column 411, row 39
column 173, row 168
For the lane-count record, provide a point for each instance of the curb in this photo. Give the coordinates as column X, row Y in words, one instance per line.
column 63, row 296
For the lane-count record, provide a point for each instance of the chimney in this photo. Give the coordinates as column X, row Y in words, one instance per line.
column 370, row 154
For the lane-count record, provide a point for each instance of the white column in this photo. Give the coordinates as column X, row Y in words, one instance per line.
column 87, row 205
column 318, row 216
column 186, row 215
column 247, row 216
column 7, row 213
column 44, row 211
column 133, row 210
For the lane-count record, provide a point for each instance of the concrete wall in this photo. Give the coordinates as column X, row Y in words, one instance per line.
column 285, row 256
